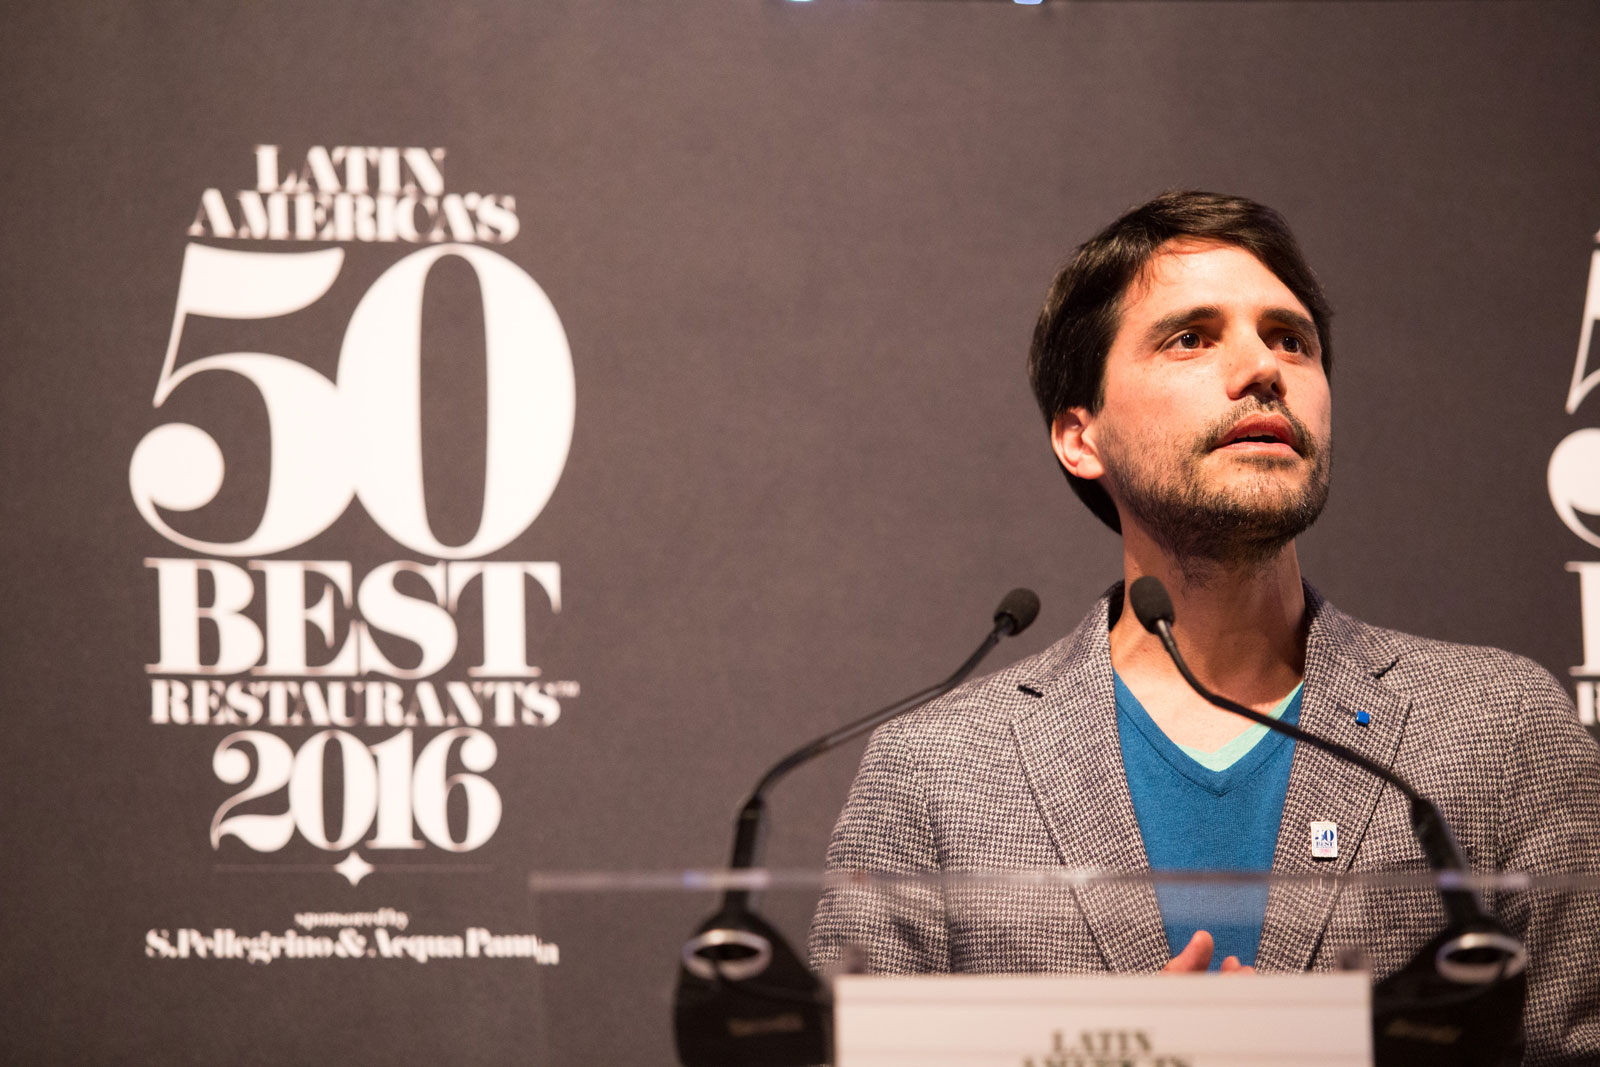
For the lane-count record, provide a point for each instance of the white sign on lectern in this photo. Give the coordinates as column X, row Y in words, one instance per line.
column 1215, row 1020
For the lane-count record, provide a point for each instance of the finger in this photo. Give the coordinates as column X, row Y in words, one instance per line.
column 1196, row 955
column 1231, row 965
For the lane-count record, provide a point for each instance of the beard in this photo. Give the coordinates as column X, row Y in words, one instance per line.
column 1204, row 525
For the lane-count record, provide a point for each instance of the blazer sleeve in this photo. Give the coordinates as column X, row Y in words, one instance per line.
column 889, row 927
column 1549, row 823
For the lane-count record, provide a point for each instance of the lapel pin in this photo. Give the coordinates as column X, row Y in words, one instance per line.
column 1325, row 840
column 1362, row 718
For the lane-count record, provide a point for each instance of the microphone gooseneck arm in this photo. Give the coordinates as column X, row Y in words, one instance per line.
column 1459, row 1001
column 1019, row 608
column 744, row 999
column 1153, row 608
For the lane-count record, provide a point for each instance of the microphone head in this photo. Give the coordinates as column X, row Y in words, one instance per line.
column 1150, row 603
column 1017, row 611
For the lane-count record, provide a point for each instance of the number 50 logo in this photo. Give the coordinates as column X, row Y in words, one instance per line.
column 360, row 435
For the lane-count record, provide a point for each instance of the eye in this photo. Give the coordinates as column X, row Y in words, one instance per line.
column 1187, row 339
column 1292, row 343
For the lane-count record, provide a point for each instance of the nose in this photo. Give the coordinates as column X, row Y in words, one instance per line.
column 1253, row 368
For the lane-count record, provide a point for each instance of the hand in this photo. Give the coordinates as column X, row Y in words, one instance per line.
column 1196, row 958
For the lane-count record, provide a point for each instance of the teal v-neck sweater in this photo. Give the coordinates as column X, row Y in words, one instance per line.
column 1193, row 818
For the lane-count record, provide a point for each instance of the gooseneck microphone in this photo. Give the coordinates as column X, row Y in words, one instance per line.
column 1015, row 614
column 1458, row 1003
column 1153, row 608
column 744, row 998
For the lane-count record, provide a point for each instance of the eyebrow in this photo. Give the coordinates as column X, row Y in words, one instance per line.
column 1202, row 312
column 1167, row 323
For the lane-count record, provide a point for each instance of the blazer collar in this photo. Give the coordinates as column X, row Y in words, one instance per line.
column 1073, row 763
column 1346, row 661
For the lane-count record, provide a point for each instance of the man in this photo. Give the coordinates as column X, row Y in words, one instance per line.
column 1181, row 362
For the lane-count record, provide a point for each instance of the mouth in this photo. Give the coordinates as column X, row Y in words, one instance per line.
column 1261, row 434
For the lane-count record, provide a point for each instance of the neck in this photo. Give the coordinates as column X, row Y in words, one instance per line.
column 1240, row 626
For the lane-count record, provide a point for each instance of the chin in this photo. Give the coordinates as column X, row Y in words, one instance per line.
column 1267, row 482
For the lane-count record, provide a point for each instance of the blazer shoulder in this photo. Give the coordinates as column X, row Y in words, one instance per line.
column 1435, row 671
column 987, row 706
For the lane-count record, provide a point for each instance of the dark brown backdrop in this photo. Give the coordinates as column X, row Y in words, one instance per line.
column 796, row 250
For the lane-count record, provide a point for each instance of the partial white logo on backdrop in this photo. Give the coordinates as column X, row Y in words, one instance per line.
column 1574, row 482
column 355, row 438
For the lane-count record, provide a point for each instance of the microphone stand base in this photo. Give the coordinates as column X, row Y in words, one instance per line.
column 1420, row 1018
column 744, row 999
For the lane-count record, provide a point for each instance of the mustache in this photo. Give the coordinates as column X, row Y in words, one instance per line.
column 1303, row 443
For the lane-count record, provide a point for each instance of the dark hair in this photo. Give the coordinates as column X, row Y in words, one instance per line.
column 1067, row 362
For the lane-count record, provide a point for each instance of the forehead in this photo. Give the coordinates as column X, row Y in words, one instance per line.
column 1194, row 272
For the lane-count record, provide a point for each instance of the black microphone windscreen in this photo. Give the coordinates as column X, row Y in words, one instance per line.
column 1150, row 602
column 1021, row 606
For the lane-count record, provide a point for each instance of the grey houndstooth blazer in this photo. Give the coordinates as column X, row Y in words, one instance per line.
column 1023, row 770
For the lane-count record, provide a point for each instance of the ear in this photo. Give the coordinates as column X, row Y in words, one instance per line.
column 1073, row 437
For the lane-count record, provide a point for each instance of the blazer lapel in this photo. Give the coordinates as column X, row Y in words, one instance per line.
column 1073, row 762
column 1343, row 666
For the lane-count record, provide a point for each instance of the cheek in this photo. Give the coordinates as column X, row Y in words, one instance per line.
column 1157, row 398
column 1323, row 414
column 1313, row 404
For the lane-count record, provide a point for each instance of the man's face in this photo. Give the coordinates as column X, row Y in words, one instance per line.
column 1214, row 434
